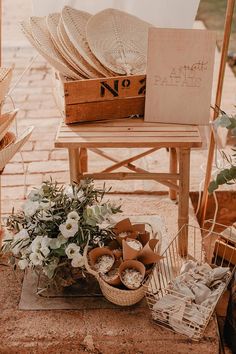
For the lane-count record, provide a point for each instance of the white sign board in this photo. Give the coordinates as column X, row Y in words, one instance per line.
column 179, row 76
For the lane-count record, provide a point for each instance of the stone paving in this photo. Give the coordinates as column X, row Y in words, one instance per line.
column 33, row 96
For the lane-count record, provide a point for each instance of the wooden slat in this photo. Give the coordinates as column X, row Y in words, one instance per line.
column 130, row 176
column 131, row 122
column 111, row 135
column 96, row 128
column 95, row 90
column 105, row 110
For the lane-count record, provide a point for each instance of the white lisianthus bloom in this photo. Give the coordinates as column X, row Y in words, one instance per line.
column 69, row 228
column 73, row 215
column 23, row 263
column 37, row 244
column 77, row 261
column 72, row 250
column 45, row 251
column 30, row 207
column 36, row 258
column 80, row 196
column 45, row 241
column 69, row 192
column 55, row 243
column 34, row 196
column 20, row 240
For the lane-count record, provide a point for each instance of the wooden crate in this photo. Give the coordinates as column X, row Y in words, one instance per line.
column 100, row 99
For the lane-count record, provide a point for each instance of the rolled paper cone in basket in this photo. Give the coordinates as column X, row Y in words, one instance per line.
column 95, row 253
column 115, row 280
column 128, row 251
column 148, row 255
column 144, row 238
column 139, row 227
column 123, row 226
column 132, row 264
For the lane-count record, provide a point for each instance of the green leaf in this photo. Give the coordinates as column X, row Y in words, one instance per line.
column 212, row 187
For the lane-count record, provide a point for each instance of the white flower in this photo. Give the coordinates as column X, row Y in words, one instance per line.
column 34, row 195
column 37, row 244
column 56, row 243
column 45, row 241
column 45, row 251
column 73, row 215
column 23, row 263
column 80, row 196
column 72, row 250
column 20, row 240
column 77, row 261
column 69, row 228
column 36, row 258
column 69, row 192
column 30, row 207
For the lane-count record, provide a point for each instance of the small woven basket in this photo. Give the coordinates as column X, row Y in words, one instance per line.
column 117, row 296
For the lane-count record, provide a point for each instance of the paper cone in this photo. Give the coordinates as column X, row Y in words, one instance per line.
column 9, row 151
column 131, row 264
column 98, row 252
column 139, row 227
column 5, row 122
column 129, row 252
column 116, row 279
column 148, row 255
column 123, row 226
column 144, row 238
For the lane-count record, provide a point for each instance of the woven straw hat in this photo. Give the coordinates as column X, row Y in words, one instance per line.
column 49, row 56
column 52, row 21
column 75, row 23
column 5, row 122
column 119, row 40
column 5, row 81
column 87, row 69
column 9, row 147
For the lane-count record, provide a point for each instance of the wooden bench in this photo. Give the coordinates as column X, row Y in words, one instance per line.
column 134, row 133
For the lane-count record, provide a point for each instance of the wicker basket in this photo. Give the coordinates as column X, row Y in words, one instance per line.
column 203, row 247
column 118, row 296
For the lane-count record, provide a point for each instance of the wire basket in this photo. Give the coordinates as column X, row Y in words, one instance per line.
column 183, row 315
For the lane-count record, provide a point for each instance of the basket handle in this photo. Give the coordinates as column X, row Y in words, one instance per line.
column 87, row 266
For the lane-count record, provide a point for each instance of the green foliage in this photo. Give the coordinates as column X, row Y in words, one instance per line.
column 228, row 175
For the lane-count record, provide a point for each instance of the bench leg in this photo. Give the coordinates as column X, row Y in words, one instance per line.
column 173, row 169
column 83, row 157
column 74, row 164
column 184, row 184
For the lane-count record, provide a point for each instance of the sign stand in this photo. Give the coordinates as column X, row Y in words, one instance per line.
column 224, row 54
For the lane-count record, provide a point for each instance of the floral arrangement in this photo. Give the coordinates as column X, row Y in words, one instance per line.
column 55, row 224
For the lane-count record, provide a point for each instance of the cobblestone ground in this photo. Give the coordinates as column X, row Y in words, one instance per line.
column 33, row 96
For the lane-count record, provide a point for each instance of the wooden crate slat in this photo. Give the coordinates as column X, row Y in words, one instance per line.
column 93, row 111
column 104, row 89
column 95, row 128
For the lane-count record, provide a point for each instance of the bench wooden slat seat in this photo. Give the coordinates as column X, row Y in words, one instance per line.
column 134, row 133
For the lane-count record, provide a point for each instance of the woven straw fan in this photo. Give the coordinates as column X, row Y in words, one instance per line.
column 7, row 153
column 88, row 70
column 49, row 57
column 52, row 21
column 5, row 122
column 119, row 40
column 5, row 81
column 42, row 36
column 75, row 23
